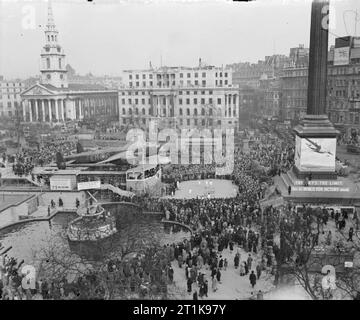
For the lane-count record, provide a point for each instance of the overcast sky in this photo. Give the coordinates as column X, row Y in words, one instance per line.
column 108, row 36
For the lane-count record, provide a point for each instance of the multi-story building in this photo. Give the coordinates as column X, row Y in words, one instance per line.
column 293, row 83
column 343, row 102
column 10, row 99
column 247, row 74
column 55, row 99
column 179, row 97
column 271, row 97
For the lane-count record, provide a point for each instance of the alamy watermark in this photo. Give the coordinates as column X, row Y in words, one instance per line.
column 189, row 146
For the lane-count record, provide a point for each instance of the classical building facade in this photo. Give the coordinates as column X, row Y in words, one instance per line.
column 179, row 97
column 54, row 99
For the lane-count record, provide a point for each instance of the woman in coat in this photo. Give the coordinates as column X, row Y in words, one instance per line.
column 236, row 260
column 213, row 284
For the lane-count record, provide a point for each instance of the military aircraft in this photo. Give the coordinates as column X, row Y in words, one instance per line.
column 316, row 147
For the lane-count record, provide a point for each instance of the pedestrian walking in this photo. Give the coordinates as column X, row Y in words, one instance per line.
column 206, row 288
column 258, row 271
column 242, row 270
column 236, row 260
column 213, row 284
column 218, row 276
column 351, row 233
column 252, row 279
column 249, row 261
column 189, row 283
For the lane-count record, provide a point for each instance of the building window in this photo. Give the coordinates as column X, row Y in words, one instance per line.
column 188, row 75
column 195, row 112
column 48, row 63
column 130, row 76
column 188, row 122
column 196, row 82
column 204, row 83
column 123, row 111
column 219, row 101
column 202, row 111
column 196, row 74
column 48, row 76
column 136, row 101
column 187, row 111
column 195, row 122
column 180, row 101
column 59, row 63
column 143, row 111
column 195, row 101
column 142, row 101
column 137, row 76
column 187, row 101
column 204, row 74
column 61, row 76
column 180, row 112
column 123, row 101
column 202, row 101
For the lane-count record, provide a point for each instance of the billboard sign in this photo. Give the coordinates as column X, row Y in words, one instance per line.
column 316, row 154
column 341, row 56
column 88, row 185
column 60, row 184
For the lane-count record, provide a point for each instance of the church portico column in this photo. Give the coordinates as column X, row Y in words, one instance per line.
column 63, row 108
column 56, row 105
column 36, row 111
column 23, row 105
column 43, row 110
column 30, row 110
column 80, row 107
column 50, row 109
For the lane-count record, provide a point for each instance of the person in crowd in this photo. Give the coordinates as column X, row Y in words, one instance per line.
column 252, row 279
column 351, row 233
column 260, row 295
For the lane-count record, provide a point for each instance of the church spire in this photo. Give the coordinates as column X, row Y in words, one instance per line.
column 50, row 24
column 53, row 69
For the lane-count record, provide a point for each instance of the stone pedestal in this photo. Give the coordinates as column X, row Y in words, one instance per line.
column 315, row 148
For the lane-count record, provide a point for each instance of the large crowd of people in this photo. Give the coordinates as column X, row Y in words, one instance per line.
column 26, row 160
column 237, row 224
